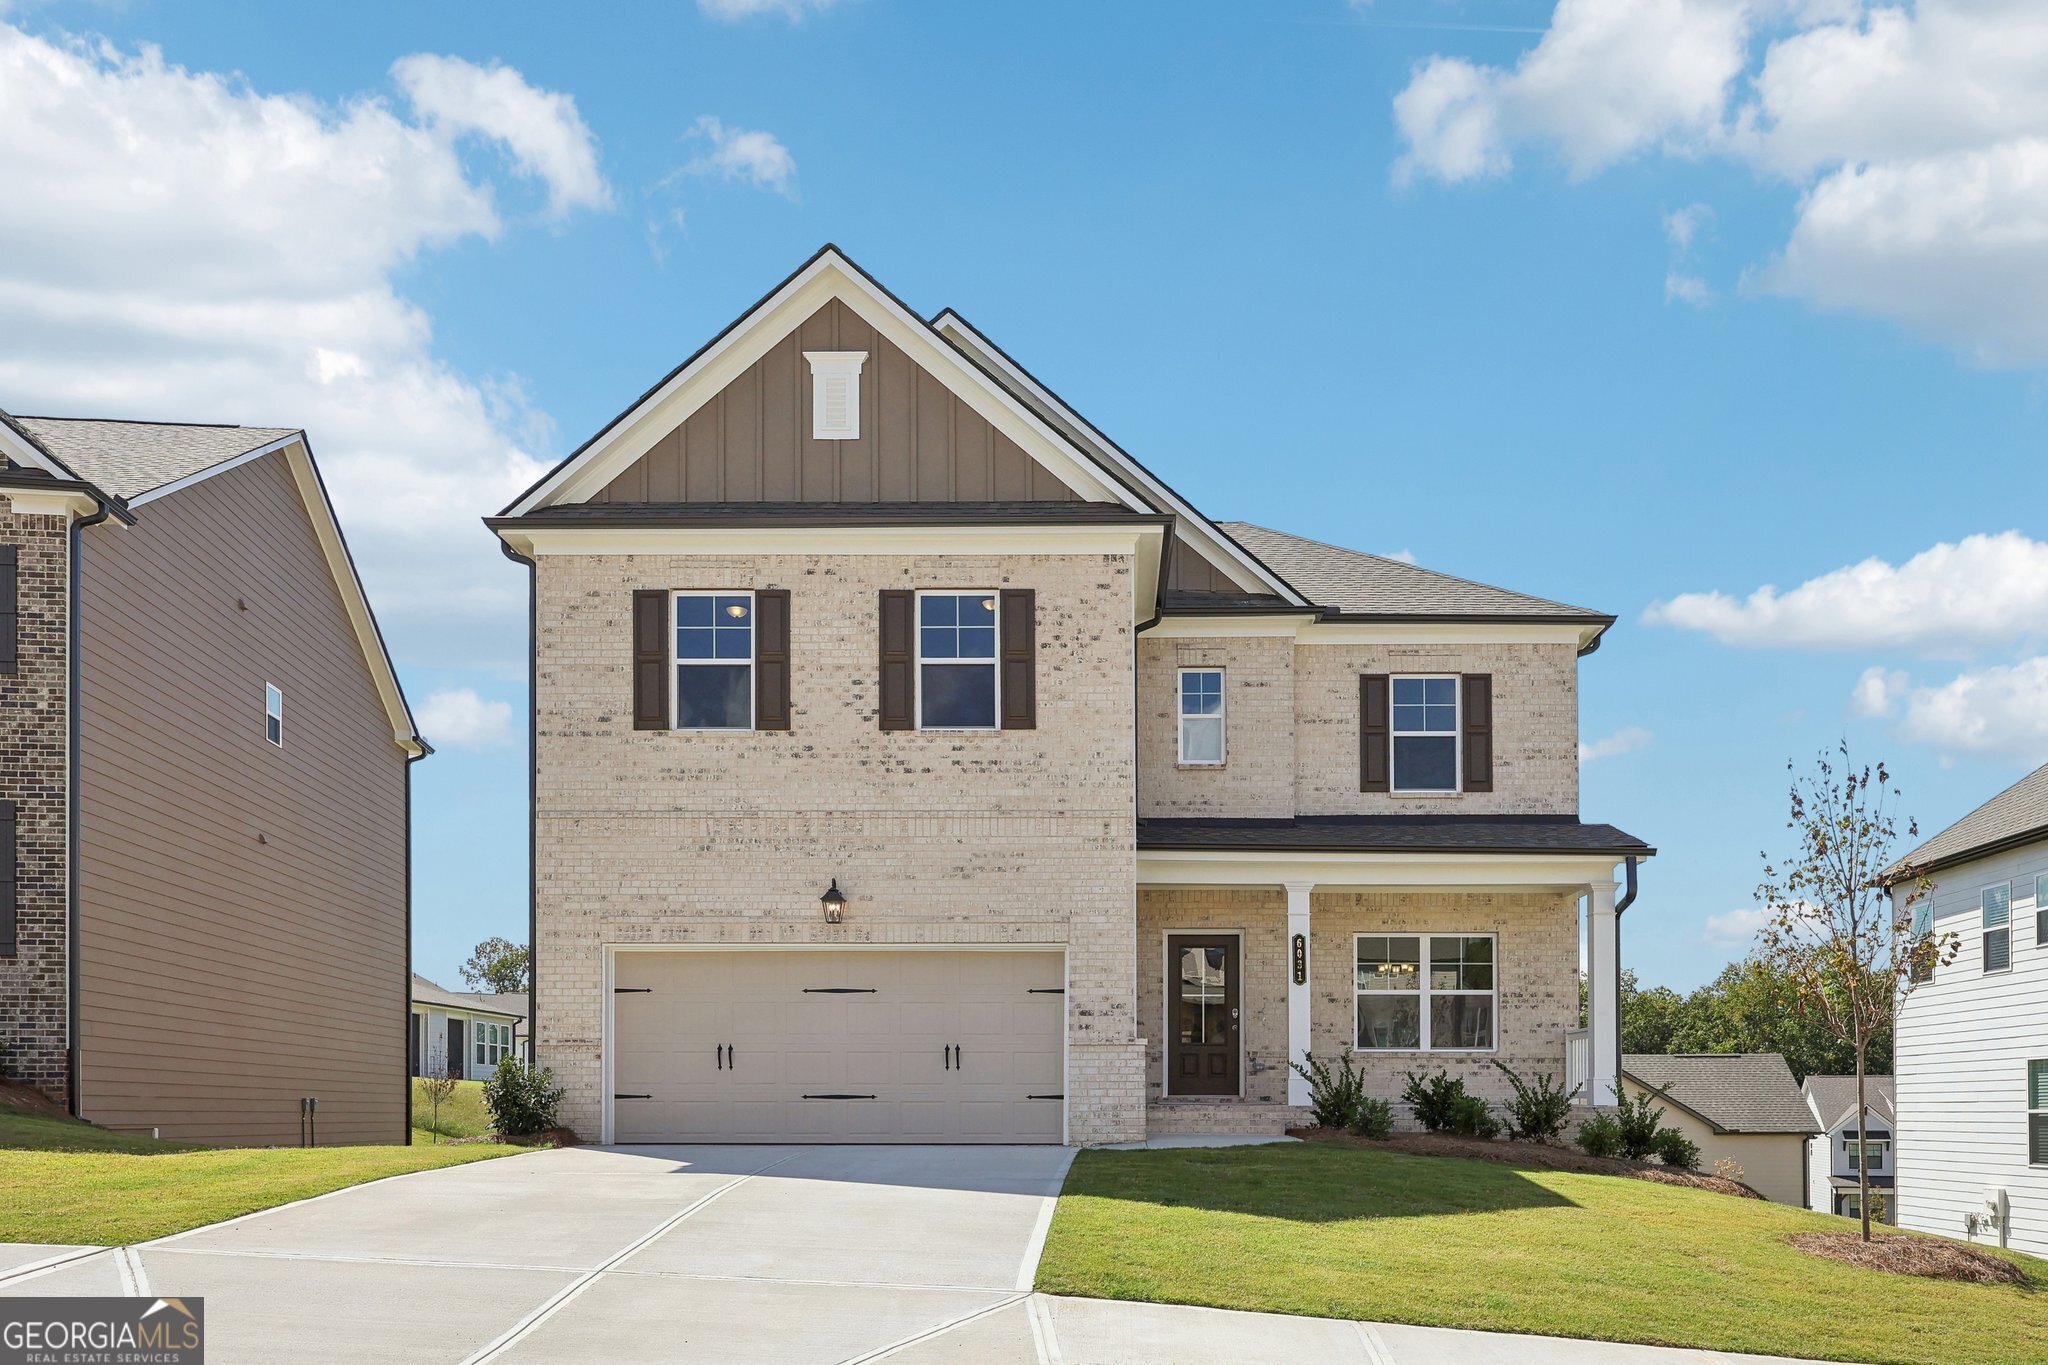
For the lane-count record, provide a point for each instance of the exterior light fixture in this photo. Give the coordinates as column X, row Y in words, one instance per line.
column 737, row 610
column 834, row 902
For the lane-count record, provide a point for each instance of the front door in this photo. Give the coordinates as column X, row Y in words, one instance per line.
column 1201, row 1014
column 455, row 1067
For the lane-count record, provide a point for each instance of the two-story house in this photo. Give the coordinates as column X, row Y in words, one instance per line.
column 1970, row 1056
column 203, row 809
column 1844, row 1155
column 912, row 764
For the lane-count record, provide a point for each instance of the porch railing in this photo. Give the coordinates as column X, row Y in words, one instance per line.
column 1578, row 1065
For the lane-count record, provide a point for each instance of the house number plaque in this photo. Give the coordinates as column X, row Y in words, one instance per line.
column 1301, row 959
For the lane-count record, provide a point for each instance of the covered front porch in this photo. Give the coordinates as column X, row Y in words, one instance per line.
column 1249, row 959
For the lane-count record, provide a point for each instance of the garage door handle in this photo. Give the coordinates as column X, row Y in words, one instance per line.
column 839, row 990
column 719, row 1051
column 632, row 1097
column 1047, row 990
column 1045, row 1097
column 632, row 990
column 839, row 1097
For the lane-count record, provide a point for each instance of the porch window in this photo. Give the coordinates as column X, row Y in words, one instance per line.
column 1425, row 992
column 1998, row 927
column 1425, row 735
column 1201, row 716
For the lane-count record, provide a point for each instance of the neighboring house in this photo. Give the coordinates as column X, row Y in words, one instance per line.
column 912, row 764
column 1832, row 1185
column 464, row 1034
column 203, row 810
column 1971, row 1049
column 1742, row 1107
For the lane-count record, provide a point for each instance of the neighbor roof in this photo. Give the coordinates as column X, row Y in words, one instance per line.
column 2017, row 815
column 1391, row 834
column 425, row 992
column 129, row 459
column 1735, row 1092
column 1353, row 583
column 1834, row 1098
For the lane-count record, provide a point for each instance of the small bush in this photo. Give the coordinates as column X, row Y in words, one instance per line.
column 1442, row 1106
column 1676, row 1149
column 1538, row 1112
column 1333, row 1097
column 523, row 1101
column 1470, row 1117
column 1639, row 1118
column 1375, row 1118
column 1600, row 1136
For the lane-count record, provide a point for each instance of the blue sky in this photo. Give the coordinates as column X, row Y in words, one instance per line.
column 1623, row 305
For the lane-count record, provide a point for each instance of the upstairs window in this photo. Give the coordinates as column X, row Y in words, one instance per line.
column 956, row 660
column 2037, row 1113
column 1873, row 1152
column 1923, row 949
column 1201, row 716
column 1425, row 735
column 1998, row 927
column 273, row 714
column 714, row 660
column 2041, row 911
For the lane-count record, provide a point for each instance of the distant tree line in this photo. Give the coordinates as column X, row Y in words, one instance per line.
column 1750, row 1007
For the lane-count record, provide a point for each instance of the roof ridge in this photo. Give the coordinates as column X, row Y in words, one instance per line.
column 148, row 422
column 1405, row 564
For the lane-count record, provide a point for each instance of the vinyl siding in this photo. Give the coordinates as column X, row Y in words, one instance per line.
column 242, row 906
column 1773, row 1164
column 1964, row 1040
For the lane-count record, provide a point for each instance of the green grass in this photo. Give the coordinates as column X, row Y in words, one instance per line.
column 462, row 1114
column 1445, row 1242
column 68, row 1182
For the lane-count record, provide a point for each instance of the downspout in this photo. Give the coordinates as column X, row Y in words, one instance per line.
column 1628, row 898
column 72, row 919
column 532, row 798
column 410, row 759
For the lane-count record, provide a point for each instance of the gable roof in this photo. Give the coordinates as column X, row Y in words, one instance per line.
column 1833, row 1099
column 1733, row 1092
column 510, row 1004
column 130, row 459
column 2017, row 815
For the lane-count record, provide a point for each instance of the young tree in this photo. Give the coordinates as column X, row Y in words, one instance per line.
column 437, row 1085
column 498, row 964
column 1844, row 942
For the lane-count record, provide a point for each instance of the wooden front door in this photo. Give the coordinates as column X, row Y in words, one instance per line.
column 455, row 1067
column 1202, row 1014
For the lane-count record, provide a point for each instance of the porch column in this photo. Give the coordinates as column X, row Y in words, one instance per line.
column 1298, row 986
column 1603, row 994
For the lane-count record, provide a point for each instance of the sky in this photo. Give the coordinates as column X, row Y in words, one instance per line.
column 1729, row 317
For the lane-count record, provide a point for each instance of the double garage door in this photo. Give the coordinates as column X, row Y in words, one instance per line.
column 822, row 1045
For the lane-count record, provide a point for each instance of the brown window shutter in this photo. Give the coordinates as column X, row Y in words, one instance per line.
column 651, row 681
column 771, row 659
column 10, row 608
column 1019, row 621
column 7, row 866
column 1375, row 769
column 1478, row 717
column 899, row 660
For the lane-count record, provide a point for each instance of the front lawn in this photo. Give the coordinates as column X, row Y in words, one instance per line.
column 462, row 1114
column 66, row 1181
column 1448, row 1242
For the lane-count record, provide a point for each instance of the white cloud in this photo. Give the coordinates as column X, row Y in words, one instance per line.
column 755, row 157
column 1400, row 556
column 197, row 249
column 730, row 11
column 1877, row 692
column 1627, row 740
column 1985, row 591
column 1999, row 711
column 1683, row 226
column 1679, row 288
column 1734, row 930
column 460, row 719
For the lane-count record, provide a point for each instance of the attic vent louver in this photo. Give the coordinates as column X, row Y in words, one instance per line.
column 835, row 394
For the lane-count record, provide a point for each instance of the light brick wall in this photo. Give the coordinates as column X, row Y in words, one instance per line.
column 1257, row 776
column 35, row 775
column 1013, row 836
column 1259, row 914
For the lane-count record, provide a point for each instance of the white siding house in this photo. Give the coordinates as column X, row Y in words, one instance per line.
column 1972, row 1042
column 464, row 1034
column 1831, row 1180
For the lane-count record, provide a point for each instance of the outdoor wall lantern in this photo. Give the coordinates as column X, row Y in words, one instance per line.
column 834, row 901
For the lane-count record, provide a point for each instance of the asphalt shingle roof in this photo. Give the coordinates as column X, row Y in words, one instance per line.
column 1359, row 584
column 425, row 992
column 2018, row 811
column 1393, row 833
column 128, row 459
column 1736, row 1092
column 1835, row 1097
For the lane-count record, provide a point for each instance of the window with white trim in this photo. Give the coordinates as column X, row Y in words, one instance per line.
column 714, row 660
column 1874, row 1149
column 1924, row 952
column 1998, row 927
column 1425, row 734
column 956, row 660
column 2041, row 911
column 1201, row 716
column 2037, row 1113
column 835, row 394
column 1425, row 992
column 493, row 1042
column 273, row 714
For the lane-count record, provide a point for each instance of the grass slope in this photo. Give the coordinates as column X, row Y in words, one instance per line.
column 66, row 1181
column 1445, row 1242
column 462, row 1114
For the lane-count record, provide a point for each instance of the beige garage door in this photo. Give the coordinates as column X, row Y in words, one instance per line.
column 838, row 1046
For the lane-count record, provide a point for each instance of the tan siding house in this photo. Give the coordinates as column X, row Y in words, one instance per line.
column 914, row 765
column 238, row 771
column 1740, row 1107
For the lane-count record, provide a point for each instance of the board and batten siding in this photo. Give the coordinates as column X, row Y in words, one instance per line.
column 242, row 905
column 1960, row 1061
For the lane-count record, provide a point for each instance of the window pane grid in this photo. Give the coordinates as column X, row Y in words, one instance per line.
column 1449, row 1007
column 956, row 656
column 1424, row 732
column 714, row 659
column 1201, row 715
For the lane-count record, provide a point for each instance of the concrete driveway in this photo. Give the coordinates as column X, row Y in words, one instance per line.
column 702, row 1254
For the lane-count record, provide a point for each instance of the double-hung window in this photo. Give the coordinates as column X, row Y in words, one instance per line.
column 1922, row 968
column 1998, row 927
column 1201, row 716
column 714, row 660
column 273, row 714
column 1872, row 1151
column 1425, row 735
column 2041, row 911
column 493, row 1042
column 2037, row 1113
column 956, row 660
column 1425, row 992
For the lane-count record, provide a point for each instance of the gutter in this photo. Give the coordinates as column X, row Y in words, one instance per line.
column 72, row 918
column 532, row 798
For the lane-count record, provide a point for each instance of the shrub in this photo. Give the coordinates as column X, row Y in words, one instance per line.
column 1442, row 1106
column 522, row 1100
column 1333, row 1098
column 1470, row 1117
column 1375, row 1118
column 1600, row 1136
column 1639, row 1117
column 1676, row 1149
column 1538, row 1112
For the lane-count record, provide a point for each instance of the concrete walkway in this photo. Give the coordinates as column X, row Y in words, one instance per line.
column 658, row 1254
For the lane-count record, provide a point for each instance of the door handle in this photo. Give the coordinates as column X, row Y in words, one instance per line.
column 946, row 1056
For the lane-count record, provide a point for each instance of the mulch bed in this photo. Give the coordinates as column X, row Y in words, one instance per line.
column 1537, row 1154
column 546, row 1137
column 1931, row 1257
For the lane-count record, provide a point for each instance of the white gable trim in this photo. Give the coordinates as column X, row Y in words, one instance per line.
column 232, row 462
column 1219, row 549
column 828, row 276
column 20, row 452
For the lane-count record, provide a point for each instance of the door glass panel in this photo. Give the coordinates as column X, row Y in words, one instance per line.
column 1203, row 1016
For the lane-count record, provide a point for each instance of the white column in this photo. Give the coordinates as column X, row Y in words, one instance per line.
column 1603, row 993
column 1298, row 990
